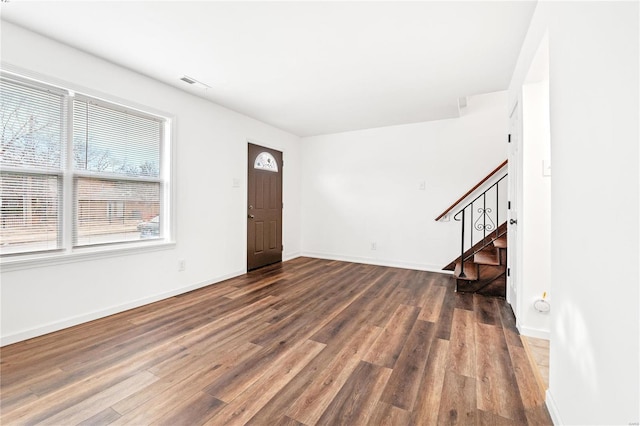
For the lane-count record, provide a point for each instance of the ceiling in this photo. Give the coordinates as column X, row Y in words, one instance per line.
column 306, row 67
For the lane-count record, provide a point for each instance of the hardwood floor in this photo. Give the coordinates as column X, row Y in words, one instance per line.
column 307, row 341
column 538, row 350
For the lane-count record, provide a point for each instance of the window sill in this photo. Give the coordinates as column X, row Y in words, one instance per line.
column 30, row 261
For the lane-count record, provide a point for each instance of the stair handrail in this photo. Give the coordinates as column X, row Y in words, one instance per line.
column 471, row 191
column 484, row 210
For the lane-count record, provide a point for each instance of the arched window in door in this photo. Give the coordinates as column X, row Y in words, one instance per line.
column 265, row 161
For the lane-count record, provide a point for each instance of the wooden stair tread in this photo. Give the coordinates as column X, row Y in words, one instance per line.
column 500, row 242
column 485, row 271
column 470, row 271
column 487, row 257
column 502, row 230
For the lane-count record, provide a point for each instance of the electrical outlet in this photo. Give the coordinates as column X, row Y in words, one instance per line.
column 374, row 246
column 182, row 265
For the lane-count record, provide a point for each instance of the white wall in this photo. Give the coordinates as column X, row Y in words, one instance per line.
column 534, row 223
column 363, row 187
column 595, row 325
column 210, row 149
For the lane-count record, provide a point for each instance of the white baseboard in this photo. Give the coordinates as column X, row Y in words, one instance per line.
column 378, row 262
column 534, row 332
column 553, row 409
column 290, row 256
column 91, row 316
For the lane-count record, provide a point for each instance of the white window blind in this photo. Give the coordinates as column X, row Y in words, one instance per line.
column 32, row 151
column 117, row 188
column 108, row 140
column 113, row 176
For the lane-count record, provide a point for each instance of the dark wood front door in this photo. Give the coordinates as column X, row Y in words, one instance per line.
column 264, row 209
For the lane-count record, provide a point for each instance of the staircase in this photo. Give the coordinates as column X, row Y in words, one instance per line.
column 482, row 265
column 485, row 266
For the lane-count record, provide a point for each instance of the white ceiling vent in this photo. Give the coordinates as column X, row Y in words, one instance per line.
column 187, row 79
column 194, row 82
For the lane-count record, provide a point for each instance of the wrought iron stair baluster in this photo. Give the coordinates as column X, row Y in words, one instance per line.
column 487, row 220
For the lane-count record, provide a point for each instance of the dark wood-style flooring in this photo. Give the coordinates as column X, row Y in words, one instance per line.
column 307, row 341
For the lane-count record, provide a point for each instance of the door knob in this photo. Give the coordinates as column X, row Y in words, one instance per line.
column 250, row 216
column 512, row 221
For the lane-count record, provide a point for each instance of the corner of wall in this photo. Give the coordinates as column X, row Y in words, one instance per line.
column 534, row 332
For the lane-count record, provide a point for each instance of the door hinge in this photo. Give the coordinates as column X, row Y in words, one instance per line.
column 509, row 138
column 508, row 205
column 508, row 272
column 282, row 247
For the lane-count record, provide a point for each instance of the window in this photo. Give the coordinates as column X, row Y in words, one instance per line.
column 265, row 161
column 101, row 160
column 116, row 162
column 33, row 138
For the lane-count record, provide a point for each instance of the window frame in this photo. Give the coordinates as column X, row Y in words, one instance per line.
column 67, row 251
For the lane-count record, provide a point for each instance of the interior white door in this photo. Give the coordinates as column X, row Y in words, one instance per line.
column 512, row 214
